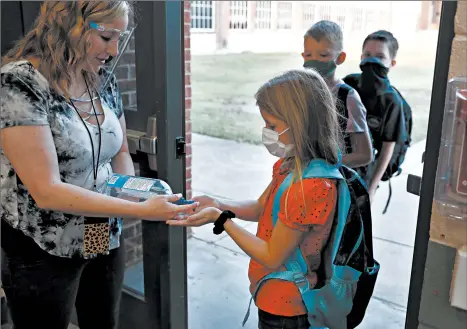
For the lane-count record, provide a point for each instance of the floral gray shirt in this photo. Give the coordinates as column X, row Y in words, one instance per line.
column 27, row 100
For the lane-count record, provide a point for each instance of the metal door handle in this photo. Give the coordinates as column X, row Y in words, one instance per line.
column 145, row 142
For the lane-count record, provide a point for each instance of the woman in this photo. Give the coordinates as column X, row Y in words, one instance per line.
column 62, row 138
column 300, row 125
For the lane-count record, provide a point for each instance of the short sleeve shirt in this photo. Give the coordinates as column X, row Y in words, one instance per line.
column 27, row 100
column 310, row 207
column 356, row 122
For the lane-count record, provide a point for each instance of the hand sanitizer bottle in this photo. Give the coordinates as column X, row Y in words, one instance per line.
column 138, row 189
column 134, row 188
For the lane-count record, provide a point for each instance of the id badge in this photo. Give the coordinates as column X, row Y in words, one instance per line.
column 96, row 239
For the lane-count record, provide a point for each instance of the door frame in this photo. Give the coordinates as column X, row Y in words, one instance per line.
column 160, row 91
column 433, row 142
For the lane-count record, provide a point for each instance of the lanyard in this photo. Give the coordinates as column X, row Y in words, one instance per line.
column 95, row 166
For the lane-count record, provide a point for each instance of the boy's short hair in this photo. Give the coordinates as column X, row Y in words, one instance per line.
column 385, row 37
column 329, row 30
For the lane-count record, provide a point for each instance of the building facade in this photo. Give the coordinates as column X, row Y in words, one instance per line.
column 272, row 26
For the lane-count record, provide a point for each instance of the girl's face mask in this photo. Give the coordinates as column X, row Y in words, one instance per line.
column 274, row 146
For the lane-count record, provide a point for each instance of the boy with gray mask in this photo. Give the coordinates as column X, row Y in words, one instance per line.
column 323, row 51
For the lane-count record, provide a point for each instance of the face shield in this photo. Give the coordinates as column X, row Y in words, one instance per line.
column 123, row 39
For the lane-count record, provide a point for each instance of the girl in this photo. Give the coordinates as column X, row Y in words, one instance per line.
column 61, row 139
column 300, row 125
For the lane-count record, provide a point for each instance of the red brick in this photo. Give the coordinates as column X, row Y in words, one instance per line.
column 188, row 184
column 128, row 231
column 188, row 105
column 188, row 137
column 138, row 227
column 121, row 72
column 187, row 43
column 187, row 91
column 187, row 17
column 188, row 149
column 188, row 127
column 187, row 55
column 128, row 57
column 131, row 44
column 187, row 109
column 188, row 161
column 187, row 80
column 127, row 85
column 126, row 99
column 131, row 71
column 132, row 101
column 130, row 256
column 187, row 67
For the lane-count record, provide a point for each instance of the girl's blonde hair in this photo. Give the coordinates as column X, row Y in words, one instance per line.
column 302, row 99
column 60, row 35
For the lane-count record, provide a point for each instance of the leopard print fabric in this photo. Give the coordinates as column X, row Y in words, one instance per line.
column 96, row 239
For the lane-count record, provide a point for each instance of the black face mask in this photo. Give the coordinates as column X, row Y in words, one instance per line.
column 373, row 79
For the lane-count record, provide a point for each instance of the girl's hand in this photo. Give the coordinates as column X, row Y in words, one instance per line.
column 205, row 216
column 206, row 202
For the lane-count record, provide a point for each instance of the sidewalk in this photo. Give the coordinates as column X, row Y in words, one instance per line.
column 217, row 268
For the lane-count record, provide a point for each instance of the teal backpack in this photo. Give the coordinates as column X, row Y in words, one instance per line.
column 340, row 300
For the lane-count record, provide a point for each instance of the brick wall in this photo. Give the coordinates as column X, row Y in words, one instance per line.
column 188, row 97
column 126, row 75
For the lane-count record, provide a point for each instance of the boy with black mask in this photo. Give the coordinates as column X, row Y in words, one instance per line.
column 384, row 104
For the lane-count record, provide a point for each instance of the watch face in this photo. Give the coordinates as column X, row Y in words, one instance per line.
column 460, row 157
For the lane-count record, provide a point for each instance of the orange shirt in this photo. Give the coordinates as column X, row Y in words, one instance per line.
column 313, row 213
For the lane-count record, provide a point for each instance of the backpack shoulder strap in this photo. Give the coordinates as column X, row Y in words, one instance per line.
column 352, row 80
column 343, row 92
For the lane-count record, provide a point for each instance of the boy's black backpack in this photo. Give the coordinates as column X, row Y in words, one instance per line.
column 403, row 140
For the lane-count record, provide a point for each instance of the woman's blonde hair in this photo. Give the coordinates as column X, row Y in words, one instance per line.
column 60, row 35
column 302, row 99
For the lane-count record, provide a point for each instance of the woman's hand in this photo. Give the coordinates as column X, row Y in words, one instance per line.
column 205, row 216
column 161, row 208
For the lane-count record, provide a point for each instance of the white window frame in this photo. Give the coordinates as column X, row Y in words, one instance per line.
column 261, row 22
column 242, row 17
column 200, row 18
column 284, row 18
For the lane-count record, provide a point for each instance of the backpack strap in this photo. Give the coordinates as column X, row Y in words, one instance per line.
column 296, row 265
column 342, row 94
column 352, row 80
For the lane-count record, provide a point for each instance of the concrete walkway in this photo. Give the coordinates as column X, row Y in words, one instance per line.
column 217, row 268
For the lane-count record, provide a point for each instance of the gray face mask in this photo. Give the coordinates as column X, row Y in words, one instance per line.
column 274, row 146
column 326, row 69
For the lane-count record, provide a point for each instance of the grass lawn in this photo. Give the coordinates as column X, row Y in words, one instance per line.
column 224, row 86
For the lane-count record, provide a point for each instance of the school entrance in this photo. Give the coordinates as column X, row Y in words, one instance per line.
column 171, row 280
